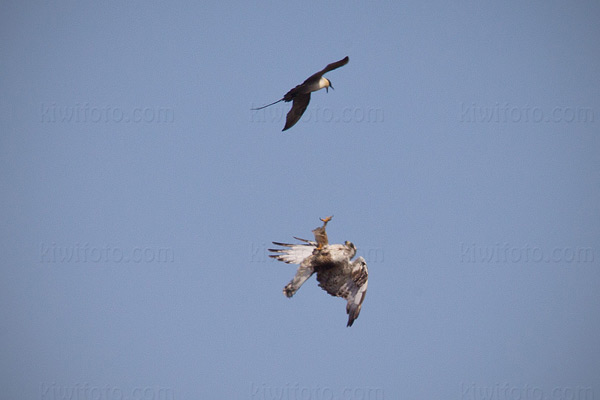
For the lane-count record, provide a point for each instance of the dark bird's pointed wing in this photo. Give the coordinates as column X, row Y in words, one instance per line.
column 298, row 107
column 330, row 67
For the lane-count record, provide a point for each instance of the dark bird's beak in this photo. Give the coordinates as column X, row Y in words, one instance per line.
column 327, row 87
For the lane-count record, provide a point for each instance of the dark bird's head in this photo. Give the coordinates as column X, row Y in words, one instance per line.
column 325, row 83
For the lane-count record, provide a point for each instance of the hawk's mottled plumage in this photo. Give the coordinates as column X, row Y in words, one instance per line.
column 336, row 273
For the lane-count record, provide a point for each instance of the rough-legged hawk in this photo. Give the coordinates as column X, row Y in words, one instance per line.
column 336, row 274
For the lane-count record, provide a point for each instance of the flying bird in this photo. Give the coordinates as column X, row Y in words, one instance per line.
column 336, row 273
column 300, row 95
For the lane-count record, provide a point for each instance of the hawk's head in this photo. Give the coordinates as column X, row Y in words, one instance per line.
column 351, row 247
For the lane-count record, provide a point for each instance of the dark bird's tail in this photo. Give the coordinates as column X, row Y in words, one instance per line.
column 260, row 108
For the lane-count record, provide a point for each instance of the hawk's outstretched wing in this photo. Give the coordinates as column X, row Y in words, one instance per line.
column 355, row 289
column 349, row 282
column 293, row 253
column 296, row 254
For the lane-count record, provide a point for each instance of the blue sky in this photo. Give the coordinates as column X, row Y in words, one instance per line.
column 459, row 152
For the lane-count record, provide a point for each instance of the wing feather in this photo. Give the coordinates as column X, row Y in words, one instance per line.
column 306, row 241
column 298, row 107
column 292, row 253
column 355, row 289
column 329, row 67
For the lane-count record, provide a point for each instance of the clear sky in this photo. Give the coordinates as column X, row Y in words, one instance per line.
column 459, row 151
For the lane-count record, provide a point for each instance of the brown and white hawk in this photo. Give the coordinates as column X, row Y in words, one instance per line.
column 336, row 273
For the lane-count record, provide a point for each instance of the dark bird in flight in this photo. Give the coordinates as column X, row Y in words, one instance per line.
column 336, row 273
column 300, row 95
